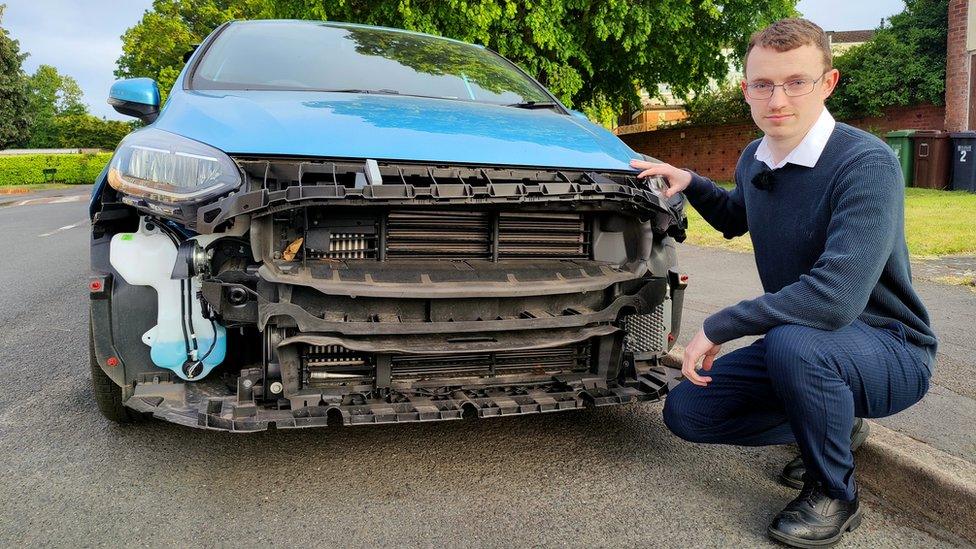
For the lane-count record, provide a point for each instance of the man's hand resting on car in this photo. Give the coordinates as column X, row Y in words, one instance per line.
column 676, row 178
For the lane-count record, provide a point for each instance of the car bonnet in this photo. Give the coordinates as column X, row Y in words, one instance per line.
column 350, row 125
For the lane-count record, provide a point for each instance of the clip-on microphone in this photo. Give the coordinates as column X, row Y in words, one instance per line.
column 764, row 180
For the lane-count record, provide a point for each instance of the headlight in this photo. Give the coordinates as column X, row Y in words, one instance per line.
column 657, row 182
column 163, row 167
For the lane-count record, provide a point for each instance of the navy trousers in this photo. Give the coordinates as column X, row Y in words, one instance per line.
column 803, row 385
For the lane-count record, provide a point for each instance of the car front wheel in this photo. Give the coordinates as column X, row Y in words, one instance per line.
column 107, row 394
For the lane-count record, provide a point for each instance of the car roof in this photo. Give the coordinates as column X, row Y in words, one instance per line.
column 341, row 24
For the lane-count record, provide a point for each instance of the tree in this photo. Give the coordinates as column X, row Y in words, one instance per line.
column 717, row 107
column 82, row 130
column 594, row 53
column 52, row 95
column 61, row 120
column 588, row 53
column 155, row 46
column 14, row 102
column 903, row 64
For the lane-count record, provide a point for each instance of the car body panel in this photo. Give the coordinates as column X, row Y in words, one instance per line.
column 351, row 125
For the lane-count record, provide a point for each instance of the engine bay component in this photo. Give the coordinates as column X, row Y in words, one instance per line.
column 552, row 293
column 182, row 340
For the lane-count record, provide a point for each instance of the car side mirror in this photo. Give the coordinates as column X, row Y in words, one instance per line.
column 138, row 97
column 578, row 114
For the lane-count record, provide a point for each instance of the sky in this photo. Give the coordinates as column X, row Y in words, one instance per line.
column 83, row 39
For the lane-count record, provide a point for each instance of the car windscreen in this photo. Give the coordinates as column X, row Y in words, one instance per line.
column 321, row 56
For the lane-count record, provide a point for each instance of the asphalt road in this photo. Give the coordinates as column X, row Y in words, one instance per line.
column 612, row 477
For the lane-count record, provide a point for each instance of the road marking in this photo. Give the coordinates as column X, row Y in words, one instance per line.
column 65, row 228
column 63, row 199
column 51, row 200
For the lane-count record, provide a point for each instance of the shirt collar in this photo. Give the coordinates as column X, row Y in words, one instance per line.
column 808, row 152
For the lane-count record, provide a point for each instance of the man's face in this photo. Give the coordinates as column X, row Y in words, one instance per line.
column 782, row 117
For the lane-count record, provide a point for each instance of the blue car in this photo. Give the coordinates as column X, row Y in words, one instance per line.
column 337, row 224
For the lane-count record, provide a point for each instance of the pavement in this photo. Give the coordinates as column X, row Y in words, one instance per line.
column 608, row 477
column 944, row 419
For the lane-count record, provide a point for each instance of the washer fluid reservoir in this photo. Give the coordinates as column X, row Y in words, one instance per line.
column 146, row 258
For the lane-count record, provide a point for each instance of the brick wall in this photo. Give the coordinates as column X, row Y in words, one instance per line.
column 713, row 151
column 957, row 68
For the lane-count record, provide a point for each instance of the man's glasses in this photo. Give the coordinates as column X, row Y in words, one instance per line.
column 793, row 88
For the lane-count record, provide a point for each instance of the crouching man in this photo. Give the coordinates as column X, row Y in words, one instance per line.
column 845, row 336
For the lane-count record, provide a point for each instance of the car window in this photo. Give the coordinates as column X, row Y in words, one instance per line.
column 323, row 56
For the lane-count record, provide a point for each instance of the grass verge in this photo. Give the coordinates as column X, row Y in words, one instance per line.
column 937, row 223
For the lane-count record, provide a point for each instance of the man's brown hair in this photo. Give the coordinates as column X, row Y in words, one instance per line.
column 789, row 34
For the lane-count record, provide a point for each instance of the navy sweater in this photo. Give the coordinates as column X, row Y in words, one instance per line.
column 829, row 242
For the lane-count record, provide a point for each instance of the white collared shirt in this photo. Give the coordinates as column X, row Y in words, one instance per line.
column 808, row 152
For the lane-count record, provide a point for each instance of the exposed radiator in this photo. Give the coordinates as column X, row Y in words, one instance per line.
column 439, row 235
column 532, row 234
column 472, row 235
column 434, row 234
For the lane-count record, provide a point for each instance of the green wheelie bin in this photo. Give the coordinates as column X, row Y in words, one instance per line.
column 900, row 141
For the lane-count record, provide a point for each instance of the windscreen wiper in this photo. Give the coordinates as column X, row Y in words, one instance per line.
column 383, row 91
column 534, row 105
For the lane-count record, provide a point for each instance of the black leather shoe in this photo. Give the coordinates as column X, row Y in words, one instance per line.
column 792, row 474
column 814, row 519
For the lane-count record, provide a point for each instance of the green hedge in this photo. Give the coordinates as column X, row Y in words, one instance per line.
column 27, row 169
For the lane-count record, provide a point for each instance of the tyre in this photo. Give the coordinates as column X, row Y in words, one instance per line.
column 107, row 394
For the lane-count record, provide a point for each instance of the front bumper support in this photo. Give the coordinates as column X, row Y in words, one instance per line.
column 211, row 405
